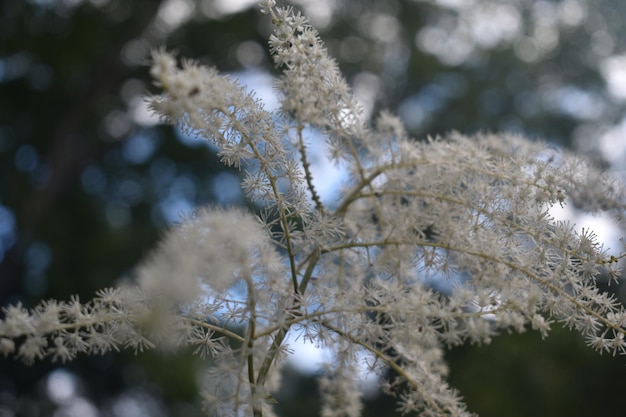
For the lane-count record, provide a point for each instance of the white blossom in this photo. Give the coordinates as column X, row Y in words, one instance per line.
column 432, row 243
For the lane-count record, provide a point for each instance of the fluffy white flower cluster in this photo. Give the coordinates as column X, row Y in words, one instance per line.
column 469, row 213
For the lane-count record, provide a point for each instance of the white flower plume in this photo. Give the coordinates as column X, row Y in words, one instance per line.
column 431, row 244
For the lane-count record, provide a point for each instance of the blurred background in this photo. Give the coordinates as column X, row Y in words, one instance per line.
column 88, row 179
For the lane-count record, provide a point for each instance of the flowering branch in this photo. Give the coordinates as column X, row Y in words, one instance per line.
column 472, row 213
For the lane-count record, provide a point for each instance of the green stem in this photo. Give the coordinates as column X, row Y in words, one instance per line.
column 307, row 172
column 290, row 320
